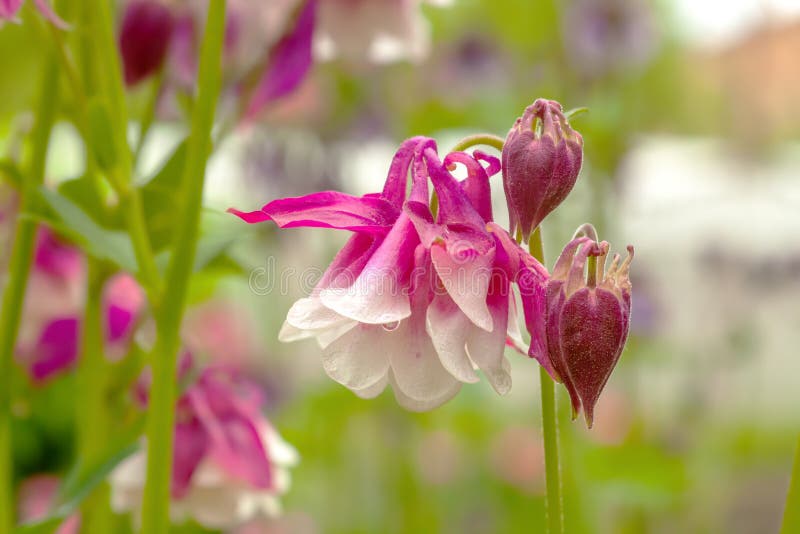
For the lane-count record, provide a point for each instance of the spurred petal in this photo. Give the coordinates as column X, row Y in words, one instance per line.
column 327, row 209
column 288, row 62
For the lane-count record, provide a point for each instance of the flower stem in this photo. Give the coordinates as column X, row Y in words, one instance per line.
column 555, row 502
column 479, row 139
column 14, row 293
column 791, row 514
column 161, row 415
column 92, row 414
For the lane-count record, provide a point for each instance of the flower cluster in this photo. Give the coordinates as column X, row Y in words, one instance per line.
column 269, row 46
column 423, row 294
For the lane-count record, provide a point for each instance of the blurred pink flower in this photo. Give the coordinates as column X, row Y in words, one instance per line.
column 230, row 465
column 517, row 456
column 56, row 348
column 36, row 497
column 9, row 9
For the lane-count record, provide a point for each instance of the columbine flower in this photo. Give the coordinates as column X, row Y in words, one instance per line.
column 423, row 291
column 146, row 31
column 9, row 9
column 229, row 464
column 542, row 156
column 587, row 321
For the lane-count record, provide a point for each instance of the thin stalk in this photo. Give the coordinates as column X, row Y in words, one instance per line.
column 791, row 513
column 121, row 176
column 555, row 500
column 479, row 139
column 92, row 416
column 161, row 414
column 14, row 293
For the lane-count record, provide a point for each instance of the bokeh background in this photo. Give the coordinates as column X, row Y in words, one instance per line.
column 691, row 154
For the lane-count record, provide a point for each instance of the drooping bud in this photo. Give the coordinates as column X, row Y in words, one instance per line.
column 146, row 31
column 587, row 319
column 542, row 156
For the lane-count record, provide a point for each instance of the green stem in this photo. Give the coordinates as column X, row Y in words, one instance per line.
column 121, row 176
column 791, row 514
column 479, row 139
column 555, row 502
column 92, row 414
column 14, row 294
column 161, row 414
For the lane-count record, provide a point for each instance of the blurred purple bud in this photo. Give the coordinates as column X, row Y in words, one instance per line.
column 147, row 27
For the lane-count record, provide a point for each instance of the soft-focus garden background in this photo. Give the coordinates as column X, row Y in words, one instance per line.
column 692, row 155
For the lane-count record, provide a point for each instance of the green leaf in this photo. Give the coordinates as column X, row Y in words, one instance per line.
column 161, row 199
column 103, row 244
column 84, row 193
column 47, row 525
column 11, row 173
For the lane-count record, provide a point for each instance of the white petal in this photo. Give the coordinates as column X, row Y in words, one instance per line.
column 358, row 359
column 416, row 405
column 447, row 327
column 417, row 372
column 487, row 349
column 373, row 299
column 374, row 390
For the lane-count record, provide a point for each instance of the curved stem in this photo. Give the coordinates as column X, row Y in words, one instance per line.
column 14, row 294
column 791, row 514
column 555, row 502
column 479, row 139
column 161, row 414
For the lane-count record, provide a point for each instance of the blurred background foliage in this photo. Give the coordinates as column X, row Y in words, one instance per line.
column 689, row 144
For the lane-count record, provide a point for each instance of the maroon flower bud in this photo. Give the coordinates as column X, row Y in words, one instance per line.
column 587, row 319
column 144, row 38
column 542, row 156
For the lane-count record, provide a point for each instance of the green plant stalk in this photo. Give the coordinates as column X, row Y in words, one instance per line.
column 161, row 414
column 479, row 139
column 19, row 269
column 554, row 501
column 92, row 377
column 120, row 176
column 791, row 513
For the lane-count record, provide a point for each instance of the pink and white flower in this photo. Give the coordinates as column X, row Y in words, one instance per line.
column 412, row 301
column 230, row 464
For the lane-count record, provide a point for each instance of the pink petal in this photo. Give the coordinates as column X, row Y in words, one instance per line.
column 379, row 293
column 56, row 349
column 45, row 9
column 476, row 185
column 394, row 190
column 9, row 8
column 288, row 63
column 190, row 446
column 327, row 209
